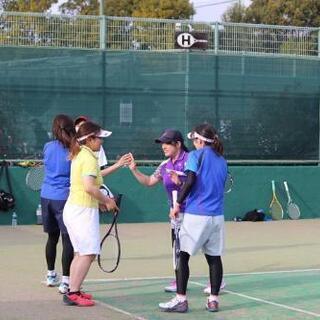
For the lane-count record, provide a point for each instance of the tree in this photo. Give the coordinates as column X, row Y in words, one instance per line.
column 304, row 13
column 26, row 5
column 235, row 13
column 168, row 9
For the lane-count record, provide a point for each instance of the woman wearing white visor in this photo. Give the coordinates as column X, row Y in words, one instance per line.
column 203, row 224
column 81, row 212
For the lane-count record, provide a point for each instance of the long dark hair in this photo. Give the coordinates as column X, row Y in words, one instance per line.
column 207, row 131
column 63, row 129
column 87, row 128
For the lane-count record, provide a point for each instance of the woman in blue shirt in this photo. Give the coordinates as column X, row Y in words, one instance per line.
column 54, row 194
column 203, row 224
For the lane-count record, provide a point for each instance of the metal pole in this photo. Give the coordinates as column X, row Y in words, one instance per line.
column 102, row 26
column 319, row 42
column 101, row 7
column 216, row 37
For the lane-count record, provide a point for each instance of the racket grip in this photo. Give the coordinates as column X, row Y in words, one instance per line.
column 286, row 185
column 118, row 199
column 174, row 197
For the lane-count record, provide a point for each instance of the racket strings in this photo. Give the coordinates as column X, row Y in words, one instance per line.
column 109, row 253
column 35, row 178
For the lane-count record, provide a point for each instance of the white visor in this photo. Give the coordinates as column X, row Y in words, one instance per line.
column 101, row 134
column 195, row 135
column 104, row 134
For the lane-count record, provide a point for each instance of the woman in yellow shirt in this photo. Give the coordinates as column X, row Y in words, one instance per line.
column 81, row 212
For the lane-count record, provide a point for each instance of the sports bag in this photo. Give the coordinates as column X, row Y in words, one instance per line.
column 7, row 200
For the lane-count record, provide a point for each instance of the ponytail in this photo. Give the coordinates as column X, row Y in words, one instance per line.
column 74, row 148
column 217, row 146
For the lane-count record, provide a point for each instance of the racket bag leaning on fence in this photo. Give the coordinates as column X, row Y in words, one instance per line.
column 7, row 200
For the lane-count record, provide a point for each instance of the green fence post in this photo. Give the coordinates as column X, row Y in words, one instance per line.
column 216, row 37
column 319, row 42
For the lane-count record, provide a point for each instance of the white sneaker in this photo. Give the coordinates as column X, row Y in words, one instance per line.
column 172, row 287
column 63, row 288
column 207, row 290
column 174, row 305
column 53, row 281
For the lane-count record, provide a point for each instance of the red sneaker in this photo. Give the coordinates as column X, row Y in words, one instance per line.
column 77, row 300
column 87, row 296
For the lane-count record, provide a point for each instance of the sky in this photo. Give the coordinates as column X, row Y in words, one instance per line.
column 206, row 10
column 212, row 10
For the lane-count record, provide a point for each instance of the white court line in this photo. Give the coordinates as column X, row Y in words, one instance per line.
column 264, row 301
column 122, row 311
column 202, row 285
column 202, row 276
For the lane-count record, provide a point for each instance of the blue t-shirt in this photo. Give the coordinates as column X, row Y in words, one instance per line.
column 56, row 182
column 207, row 194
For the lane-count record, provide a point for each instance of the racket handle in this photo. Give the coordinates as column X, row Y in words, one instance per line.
column 273, row 186
column 174, row 197
column 286, row 186
column 118, row 199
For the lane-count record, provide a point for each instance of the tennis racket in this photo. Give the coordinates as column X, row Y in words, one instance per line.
column 110, row 249
column 34, row 177
column 293, row 210
column 176, row 242
column 276, row 210
column 229, row 183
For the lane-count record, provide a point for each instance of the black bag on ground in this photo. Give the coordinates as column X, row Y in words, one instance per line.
column 254, row 216
column 7, row 200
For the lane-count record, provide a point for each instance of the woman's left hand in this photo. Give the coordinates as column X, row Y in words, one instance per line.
column 174, row 178
column 174, row 212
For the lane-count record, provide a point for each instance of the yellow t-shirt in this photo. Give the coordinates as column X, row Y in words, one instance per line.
column 84, row 164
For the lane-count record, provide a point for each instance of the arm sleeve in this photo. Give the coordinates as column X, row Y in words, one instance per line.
column 185, row 189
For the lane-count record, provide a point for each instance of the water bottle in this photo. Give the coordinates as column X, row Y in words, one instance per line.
column 39, row 214
column 14, row 220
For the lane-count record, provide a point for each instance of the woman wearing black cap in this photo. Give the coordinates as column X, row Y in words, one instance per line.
column 169, row 172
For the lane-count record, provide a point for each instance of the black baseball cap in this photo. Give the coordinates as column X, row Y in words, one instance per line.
column 170, row 135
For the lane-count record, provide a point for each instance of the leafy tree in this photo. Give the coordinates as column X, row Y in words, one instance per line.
column 235, row 13
column 304, row 13
column 169, row 9
column 132, row 8
column 26, row 5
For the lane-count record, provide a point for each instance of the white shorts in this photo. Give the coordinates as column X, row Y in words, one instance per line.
column 83, row 228
column 202, row 232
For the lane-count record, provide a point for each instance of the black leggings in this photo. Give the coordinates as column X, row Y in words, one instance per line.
column 51, row 252
column 215, row 273
column 173, row 237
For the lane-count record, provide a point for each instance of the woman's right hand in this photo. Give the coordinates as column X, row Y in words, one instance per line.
column 132, row 164
column 124, row 160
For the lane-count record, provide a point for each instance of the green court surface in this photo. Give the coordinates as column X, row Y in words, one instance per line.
column 276, row 295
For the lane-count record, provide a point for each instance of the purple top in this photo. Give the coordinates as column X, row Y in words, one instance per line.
column 162, row 173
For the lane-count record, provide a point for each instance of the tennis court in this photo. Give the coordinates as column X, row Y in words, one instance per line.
column 271, row 270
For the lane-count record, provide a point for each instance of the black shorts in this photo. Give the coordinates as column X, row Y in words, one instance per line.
column 52, row 211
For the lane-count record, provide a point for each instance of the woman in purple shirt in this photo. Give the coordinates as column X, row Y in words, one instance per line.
column 169, row 172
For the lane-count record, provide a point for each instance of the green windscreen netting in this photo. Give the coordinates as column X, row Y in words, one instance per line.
column 263, row 107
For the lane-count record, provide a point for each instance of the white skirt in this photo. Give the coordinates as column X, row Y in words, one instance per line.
column 83, row 228
column 202, row 232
